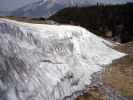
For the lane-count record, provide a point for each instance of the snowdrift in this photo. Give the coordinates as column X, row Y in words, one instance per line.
column 48, row 62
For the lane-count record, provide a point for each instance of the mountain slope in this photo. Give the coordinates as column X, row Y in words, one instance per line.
column 48, row 7
column 48, row 62
column 38, row 9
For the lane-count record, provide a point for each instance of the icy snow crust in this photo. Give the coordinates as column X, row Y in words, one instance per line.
column 48, row 62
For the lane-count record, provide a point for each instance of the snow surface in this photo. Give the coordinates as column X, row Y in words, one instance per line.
column 48, row 62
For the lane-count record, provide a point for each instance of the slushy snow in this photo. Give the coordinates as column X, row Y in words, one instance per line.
column 48, row 62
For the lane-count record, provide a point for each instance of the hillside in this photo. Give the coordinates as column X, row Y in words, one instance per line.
column 107, row 20
column 119, row 74
column 38, row 9
column 49, row 62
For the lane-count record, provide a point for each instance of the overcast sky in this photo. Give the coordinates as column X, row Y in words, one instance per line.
column 8, row 5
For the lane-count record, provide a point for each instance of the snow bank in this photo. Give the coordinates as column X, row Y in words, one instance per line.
column 48, row 62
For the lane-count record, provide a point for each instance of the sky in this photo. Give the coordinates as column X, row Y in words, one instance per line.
column 9, row 5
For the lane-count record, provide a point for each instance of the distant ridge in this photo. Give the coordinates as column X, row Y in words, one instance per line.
column 38, row 9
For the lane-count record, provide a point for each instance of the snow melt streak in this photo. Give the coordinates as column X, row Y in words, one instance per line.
column 48, row 62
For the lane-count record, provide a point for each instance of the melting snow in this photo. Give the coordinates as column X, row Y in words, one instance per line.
column 48, row 62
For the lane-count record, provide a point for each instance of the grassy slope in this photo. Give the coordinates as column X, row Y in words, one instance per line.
column 100, row 19
column 120, row 74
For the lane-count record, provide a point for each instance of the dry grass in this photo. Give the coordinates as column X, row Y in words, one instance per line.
column 119, row 75
column 127, row 48
column 94, row 94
